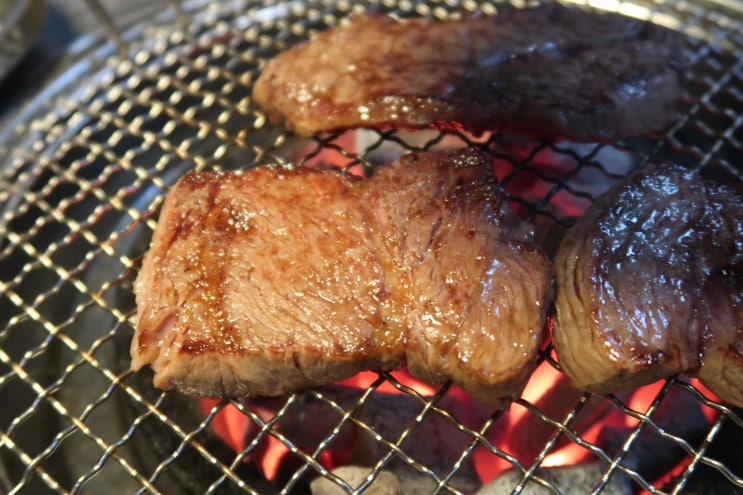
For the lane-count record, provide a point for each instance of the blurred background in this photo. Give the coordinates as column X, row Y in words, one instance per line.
column 38, row 38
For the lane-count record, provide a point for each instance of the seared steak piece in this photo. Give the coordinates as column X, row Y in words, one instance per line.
column 722, row 357
column 649, row 285
column 552, row 72
column 270, row 280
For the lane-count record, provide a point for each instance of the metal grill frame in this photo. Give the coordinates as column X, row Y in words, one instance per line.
column 85, row 167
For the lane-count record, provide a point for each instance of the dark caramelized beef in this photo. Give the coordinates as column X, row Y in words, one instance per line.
column 649, row 284
column 550, row 72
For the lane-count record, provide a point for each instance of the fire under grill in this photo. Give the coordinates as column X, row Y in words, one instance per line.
column 85, row 166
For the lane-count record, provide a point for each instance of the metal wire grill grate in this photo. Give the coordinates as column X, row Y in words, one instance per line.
column 84, row 170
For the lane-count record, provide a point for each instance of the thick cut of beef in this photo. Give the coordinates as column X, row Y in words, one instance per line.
column 550, row 72
column 722, row 290
column 270, row 280
column 649, row 284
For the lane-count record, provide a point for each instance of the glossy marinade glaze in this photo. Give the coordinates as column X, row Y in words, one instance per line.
column 649, row 284
column 550, row 72
column 269, row 280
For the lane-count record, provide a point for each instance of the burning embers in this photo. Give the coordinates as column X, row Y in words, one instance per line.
column 402, row 436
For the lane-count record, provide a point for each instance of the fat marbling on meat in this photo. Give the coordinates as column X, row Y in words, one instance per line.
column 550, row 72
column 269, row 280
column 649, row 284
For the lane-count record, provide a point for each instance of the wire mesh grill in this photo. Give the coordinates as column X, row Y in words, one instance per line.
column 84, row 170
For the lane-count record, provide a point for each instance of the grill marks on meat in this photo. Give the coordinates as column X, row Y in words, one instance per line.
column 649, row 284
column 551, row 72
column 267, row 281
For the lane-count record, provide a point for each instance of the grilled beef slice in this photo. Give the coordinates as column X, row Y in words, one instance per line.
column 649, row 284
column 550, row 72
column 270, row 280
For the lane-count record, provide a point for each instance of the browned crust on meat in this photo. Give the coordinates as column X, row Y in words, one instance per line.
column 269, row 281
column 645, row 287
column 551, row 72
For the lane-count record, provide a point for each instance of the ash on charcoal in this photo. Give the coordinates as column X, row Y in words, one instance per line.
column 384, row 483
column 579, row 478
column 434, row 443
